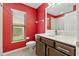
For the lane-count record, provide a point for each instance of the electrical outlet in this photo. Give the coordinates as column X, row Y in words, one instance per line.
column 27, row 37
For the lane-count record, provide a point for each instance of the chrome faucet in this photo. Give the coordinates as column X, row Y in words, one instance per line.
column 56, row 32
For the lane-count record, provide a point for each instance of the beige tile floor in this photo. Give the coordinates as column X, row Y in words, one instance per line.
column 23, row 52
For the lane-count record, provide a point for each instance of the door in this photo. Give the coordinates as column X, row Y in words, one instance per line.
column 53, row 52
column 40, row 48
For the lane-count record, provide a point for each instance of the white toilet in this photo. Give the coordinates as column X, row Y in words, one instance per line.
column 30, row 46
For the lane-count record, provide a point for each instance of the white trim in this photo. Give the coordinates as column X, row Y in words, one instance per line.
column 14, row 50
column 14, row 41
column 50, row 4
column 17, row 11
column 1, row 28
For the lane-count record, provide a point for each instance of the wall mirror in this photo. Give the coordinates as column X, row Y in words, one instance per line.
column 55, row 16
column 55, row 23
column 18, row 26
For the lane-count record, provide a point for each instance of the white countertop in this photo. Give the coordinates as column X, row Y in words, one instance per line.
column 71, row 40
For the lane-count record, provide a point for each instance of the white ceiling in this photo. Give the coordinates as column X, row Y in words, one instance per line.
column 60, row 9
column 33, row 5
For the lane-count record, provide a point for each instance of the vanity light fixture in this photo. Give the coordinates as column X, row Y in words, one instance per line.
column 42, row 20
column 36, row 22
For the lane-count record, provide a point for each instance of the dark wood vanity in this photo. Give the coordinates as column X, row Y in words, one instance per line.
column 49, row 47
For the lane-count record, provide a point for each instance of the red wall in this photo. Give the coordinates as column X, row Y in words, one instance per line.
column 41, row 16
column 30, row 25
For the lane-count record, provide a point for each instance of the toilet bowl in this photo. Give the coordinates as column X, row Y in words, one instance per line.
column 30, row 46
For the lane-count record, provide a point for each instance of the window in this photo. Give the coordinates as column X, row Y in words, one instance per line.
column 18, row 18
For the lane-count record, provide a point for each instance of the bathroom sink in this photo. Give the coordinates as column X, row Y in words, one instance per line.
column 54, row 35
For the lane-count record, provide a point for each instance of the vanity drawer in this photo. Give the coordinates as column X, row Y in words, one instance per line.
column 53, row 52
column 65, row 48
column 47, row 41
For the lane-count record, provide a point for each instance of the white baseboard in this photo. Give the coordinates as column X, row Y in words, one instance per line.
column 14, row 51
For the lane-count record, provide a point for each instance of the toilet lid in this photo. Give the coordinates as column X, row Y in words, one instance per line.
column 30, row 42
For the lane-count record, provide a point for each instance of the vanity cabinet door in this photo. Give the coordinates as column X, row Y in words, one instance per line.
column 47, row 41
column 65, row 48
column 53, row 52
column 40, row 48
